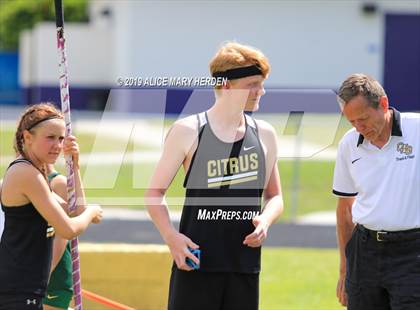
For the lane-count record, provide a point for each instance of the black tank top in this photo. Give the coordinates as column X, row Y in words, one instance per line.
column 224, row 184
column 25, row 250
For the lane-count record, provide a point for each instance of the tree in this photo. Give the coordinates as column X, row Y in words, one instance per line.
column 18, row 15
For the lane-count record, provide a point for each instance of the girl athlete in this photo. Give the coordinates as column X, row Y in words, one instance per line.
column 33, row 213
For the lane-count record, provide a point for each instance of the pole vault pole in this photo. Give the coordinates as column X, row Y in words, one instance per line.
column 65, row 108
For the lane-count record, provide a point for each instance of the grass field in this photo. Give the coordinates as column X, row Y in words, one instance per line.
column 314, row 192
column 302, row 279
column 291, row 278
column 311, row 185
column 314, row 189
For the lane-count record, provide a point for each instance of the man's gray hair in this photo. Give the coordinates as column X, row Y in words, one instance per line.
column 363, row 85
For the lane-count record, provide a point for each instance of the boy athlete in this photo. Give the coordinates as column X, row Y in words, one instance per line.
column 230, row 161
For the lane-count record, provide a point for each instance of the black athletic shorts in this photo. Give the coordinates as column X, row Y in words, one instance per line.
column 20, row 302
column 192, row 290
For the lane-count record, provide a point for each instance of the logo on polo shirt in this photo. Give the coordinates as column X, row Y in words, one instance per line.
column 404, row 148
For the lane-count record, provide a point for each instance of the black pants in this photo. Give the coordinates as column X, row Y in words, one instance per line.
column 213, row 290
column 20, row 302
column 382, row 275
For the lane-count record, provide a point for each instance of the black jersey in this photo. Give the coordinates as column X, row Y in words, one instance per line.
column 25, row 250
column 224, row 185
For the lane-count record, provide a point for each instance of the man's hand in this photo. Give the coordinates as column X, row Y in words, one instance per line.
column 341, row 289
column 178, row 245
column 256, row 238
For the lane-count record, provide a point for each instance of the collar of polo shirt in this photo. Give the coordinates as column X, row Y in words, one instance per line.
column 395, row 129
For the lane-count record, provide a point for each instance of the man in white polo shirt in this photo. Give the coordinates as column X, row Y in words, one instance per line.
column 377, row 181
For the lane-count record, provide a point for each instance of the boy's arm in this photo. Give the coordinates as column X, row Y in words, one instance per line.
column 273, row 200
column 176, row 147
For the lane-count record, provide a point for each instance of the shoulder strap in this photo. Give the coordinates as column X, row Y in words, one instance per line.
column 202, row 119
column 20, row 160
column 52, row 175
column 251, row 122
column 24, row 160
